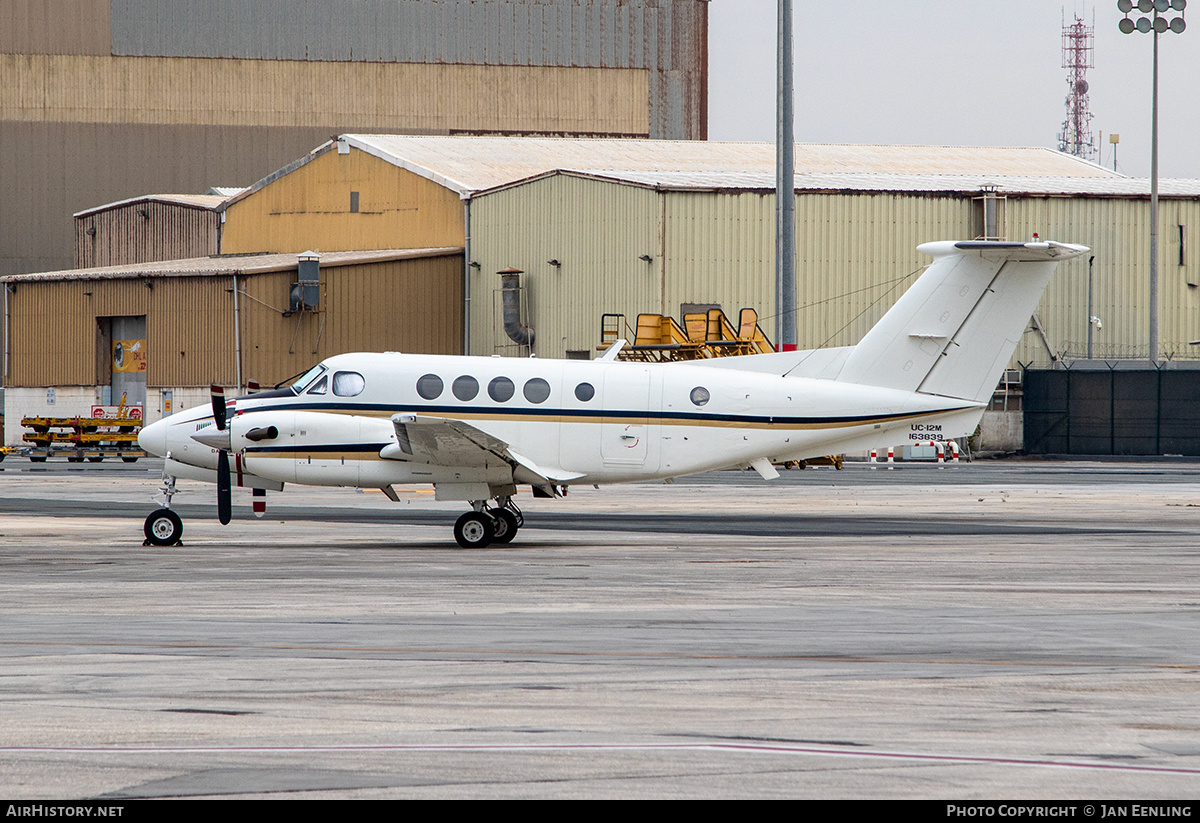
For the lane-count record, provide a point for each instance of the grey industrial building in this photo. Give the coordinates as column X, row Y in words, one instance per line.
column 106, row 100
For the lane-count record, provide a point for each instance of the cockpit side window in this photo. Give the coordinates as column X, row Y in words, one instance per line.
column 307, row 378
column 321, row 386
column 348, row 384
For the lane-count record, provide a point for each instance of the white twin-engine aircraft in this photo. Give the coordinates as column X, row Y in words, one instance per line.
column 478, row 427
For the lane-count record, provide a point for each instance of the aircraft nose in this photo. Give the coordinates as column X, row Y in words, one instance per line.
column 153, row 438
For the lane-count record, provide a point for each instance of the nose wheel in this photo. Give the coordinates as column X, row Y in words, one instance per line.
column 163, row 528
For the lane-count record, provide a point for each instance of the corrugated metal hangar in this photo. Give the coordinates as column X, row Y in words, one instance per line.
column 601, row 226
column 143, row 229
column 219, row 319
column 111, row 99
column 595, row 226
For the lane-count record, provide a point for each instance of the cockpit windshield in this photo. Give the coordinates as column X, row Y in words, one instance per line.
column 307, row 378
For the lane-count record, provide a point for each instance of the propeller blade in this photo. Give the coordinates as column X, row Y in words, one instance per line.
column 224, row 503
column 260, row 502
column 217, row 393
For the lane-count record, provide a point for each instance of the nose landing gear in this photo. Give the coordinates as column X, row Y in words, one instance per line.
column 163, row 527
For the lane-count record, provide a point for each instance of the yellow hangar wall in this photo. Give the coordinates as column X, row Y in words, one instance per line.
column 403, row 305
column 53, row 336
column 311, row 208
column 190, row 322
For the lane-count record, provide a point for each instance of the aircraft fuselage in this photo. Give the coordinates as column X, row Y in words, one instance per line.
column 581, row 421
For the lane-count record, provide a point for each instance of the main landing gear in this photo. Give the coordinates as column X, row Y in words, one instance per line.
column 481, row 527
column 163, row 526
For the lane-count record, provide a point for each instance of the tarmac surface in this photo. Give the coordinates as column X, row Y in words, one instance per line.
column 995, row 630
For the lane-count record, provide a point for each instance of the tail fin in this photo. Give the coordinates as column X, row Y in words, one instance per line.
column 955, row 329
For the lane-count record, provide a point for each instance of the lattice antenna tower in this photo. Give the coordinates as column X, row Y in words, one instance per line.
column 1078, row 43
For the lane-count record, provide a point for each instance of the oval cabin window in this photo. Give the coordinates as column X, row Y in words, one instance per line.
column 430, row 387
column 501, row 389
column 536, row 390
column 465, row 388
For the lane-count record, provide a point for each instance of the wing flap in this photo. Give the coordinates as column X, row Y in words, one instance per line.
column 438, row 441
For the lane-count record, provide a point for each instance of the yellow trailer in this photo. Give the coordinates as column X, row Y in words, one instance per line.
column 80, row 438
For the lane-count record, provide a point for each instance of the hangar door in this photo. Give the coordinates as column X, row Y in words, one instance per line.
column 121, row 359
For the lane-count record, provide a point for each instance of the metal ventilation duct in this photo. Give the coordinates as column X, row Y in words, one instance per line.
column 510, row 294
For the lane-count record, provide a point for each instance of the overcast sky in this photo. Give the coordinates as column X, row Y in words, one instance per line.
column 953, row 72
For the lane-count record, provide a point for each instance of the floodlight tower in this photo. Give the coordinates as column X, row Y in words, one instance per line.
column 1157, row 23
column 1078, row 41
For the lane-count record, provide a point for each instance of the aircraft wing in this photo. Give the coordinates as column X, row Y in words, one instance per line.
column 439, row 441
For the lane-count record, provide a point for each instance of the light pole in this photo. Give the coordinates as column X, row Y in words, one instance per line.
column 785, row 190
column 1156, row 24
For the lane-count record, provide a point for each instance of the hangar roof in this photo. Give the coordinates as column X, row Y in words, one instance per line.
column 199, row 201
column 228, row 265
column 470, row 165
column 1118, row 186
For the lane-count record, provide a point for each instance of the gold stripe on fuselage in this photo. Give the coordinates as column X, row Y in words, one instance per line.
column 628, row 420
column 313, row 456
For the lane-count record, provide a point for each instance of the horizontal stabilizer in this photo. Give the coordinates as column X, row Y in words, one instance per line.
column 816, row 363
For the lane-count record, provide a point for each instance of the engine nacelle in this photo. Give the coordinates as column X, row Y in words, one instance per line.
column 317, row 448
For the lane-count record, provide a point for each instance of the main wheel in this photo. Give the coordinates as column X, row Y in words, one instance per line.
column 163, row 528
column 506, row 525
column 474, row 530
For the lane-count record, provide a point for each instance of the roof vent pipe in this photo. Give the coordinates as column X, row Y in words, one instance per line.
column 510, row 293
